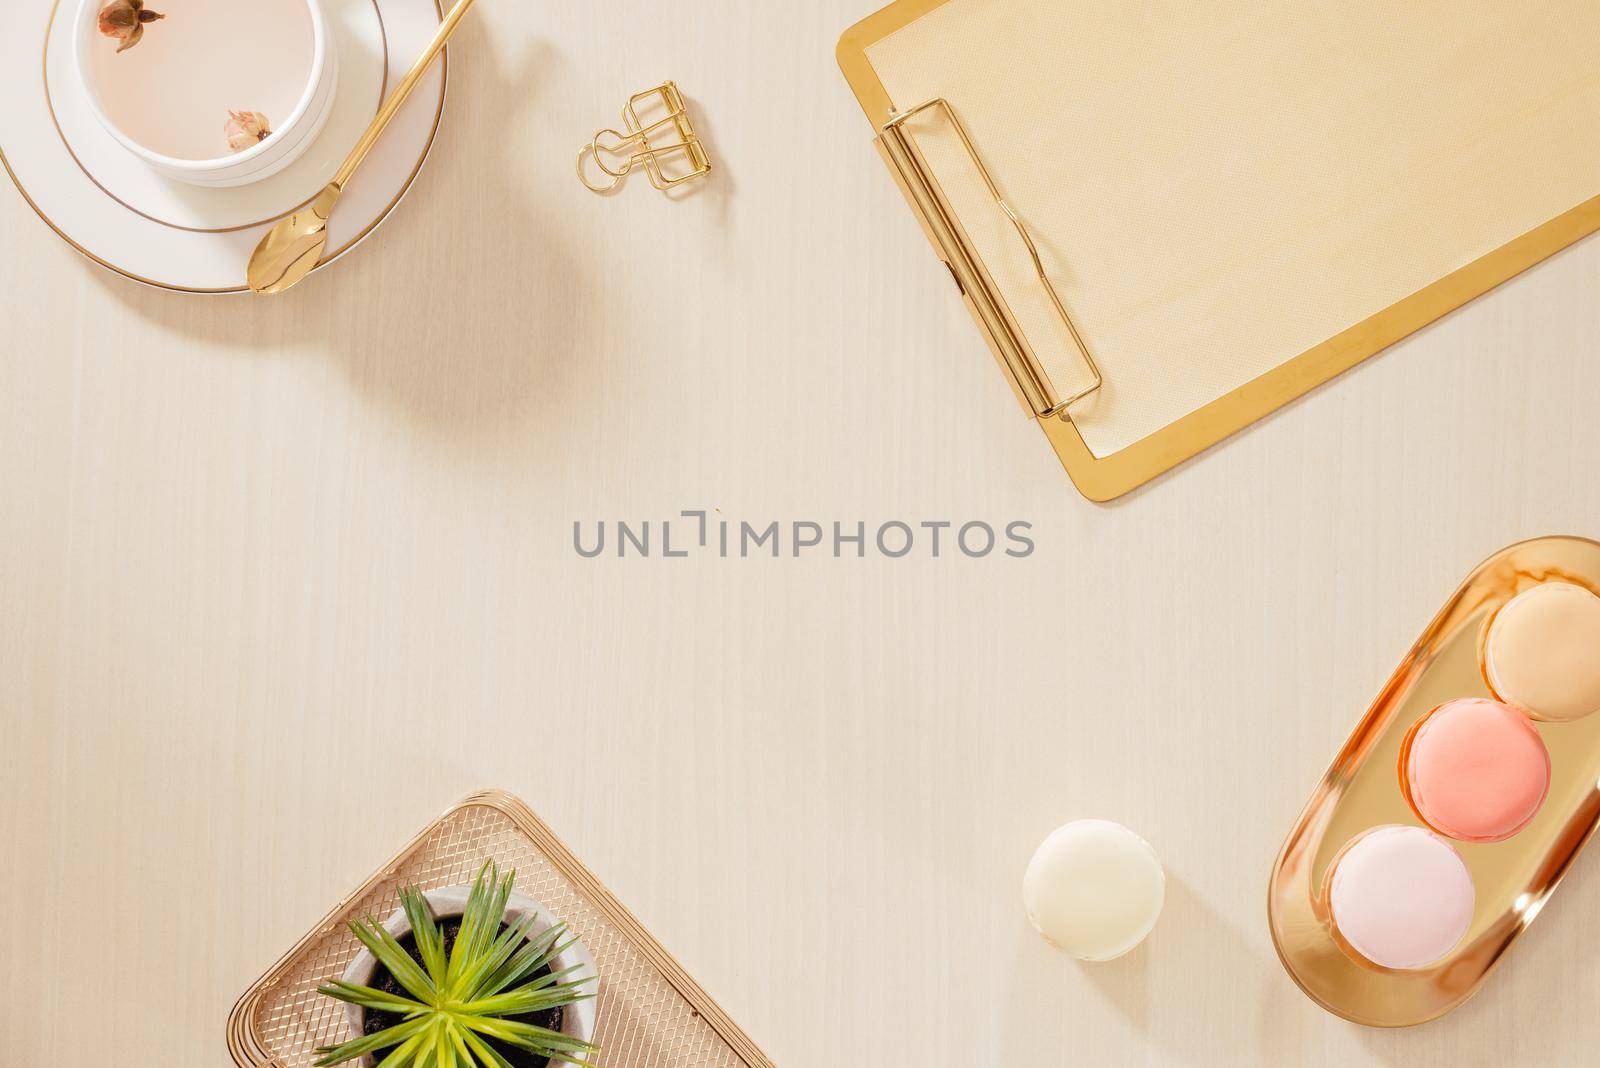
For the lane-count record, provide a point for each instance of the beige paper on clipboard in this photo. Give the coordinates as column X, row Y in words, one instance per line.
column 1219, row 189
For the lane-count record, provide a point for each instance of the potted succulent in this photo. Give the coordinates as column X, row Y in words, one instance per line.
column 467, row 977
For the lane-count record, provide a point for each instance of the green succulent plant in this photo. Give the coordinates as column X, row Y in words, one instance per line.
column 463, row 998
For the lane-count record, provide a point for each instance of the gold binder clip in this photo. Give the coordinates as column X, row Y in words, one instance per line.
column 616, row 152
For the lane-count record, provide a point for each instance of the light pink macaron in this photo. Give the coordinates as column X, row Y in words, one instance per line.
column 1401, row 897
column 1475, row 770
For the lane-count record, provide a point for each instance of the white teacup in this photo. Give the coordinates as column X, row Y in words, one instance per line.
column 168, row 98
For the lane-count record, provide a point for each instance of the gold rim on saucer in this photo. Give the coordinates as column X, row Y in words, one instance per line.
column 335, row 254
column 49, row 100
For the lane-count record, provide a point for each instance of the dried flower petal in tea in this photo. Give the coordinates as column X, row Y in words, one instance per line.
column 125, row 20
column 245, row 129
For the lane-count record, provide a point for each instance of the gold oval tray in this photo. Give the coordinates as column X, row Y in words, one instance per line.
column 1362, row 790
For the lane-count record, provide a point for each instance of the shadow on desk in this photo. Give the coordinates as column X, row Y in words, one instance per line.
column 465, row 304
column 1534, row 1003
column 1172, row 993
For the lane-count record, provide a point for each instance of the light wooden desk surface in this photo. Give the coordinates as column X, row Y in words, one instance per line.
column 250, row 551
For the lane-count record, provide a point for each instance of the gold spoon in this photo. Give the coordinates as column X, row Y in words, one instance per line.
column 292, row 248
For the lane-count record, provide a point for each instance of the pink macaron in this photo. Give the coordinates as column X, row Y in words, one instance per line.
column 1401, row 897
column 1475, row 770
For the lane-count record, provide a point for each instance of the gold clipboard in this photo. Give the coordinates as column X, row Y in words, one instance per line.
column 1107, row 475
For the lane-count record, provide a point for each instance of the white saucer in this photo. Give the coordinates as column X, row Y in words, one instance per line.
column 118, row 212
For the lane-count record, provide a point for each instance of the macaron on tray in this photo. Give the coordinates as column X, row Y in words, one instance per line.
column 1458, row 802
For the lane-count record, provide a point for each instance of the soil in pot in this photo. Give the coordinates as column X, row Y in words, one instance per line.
column 550, row 1019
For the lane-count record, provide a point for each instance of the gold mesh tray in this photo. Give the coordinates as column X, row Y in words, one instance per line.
column 651, row 1014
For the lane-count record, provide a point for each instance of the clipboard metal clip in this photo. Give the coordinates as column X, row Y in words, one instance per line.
column 1033, row 385
column 617, row 153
